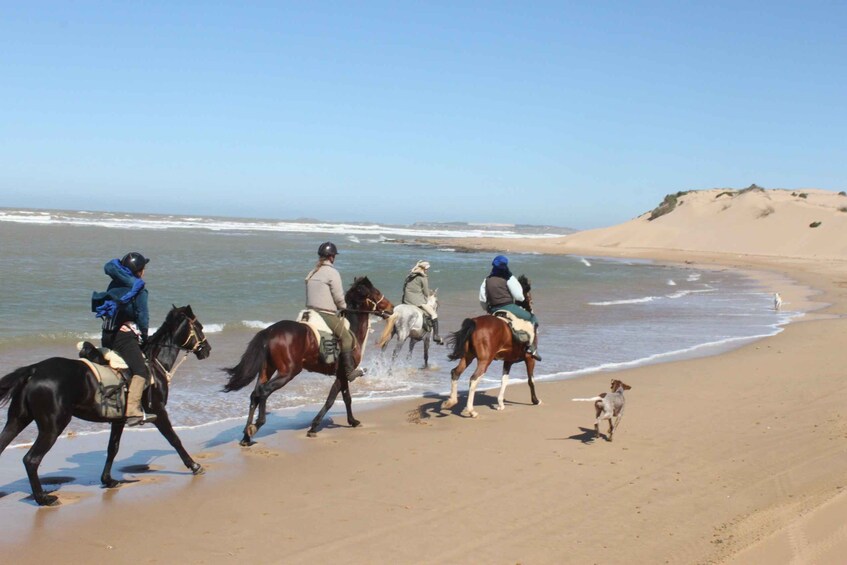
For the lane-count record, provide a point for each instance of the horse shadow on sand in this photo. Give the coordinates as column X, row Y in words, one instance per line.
column 276, row 423
column 587, row 435
column 434, row 407
column 84, row 469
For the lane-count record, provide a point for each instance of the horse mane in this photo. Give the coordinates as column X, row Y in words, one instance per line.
column 358, row 291
column 167, row 326
column 527, row 288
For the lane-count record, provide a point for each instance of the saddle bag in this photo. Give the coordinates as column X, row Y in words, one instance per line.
column 111, row 400
column 521, row 336
column 110, row 394
column 328, row 348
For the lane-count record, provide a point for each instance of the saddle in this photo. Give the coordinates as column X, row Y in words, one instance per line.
column 522, row 330
column 327, row 344
column 112, row 376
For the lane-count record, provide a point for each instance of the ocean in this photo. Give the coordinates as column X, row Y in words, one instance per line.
column 240, row 275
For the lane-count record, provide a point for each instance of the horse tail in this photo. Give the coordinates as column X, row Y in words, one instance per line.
column 251, row 363
column 12, row 383
column 388, row 331
column 458, row 340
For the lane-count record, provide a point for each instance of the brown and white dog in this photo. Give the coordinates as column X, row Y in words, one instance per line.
column 608, row 405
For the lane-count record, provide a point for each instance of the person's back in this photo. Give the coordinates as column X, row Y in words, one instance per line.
column 325, row 295
column 416, row 292
column 500, row 290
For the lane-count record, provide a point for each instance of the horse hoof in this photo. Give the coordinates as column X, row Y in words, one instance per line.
column 47, row 500
column 197, row 469
column 470, row 413
column 246, row 442
column 251, row 430
column 111, row 483
column 448, row 405
column 537, row 402
column 311, row 433
column 500, row 407
column 355, row 424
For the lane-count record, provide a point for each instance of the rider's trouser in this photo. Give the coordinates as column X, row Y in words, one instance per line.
column 341, row 333
column 126, row 345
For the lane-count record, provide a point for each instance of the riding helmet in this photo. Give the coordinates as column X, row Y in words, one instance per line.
column 327, row 249
column 134, row 261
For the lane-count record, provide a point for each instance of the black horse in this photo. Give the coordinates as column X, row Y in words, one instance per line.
column 56, row 389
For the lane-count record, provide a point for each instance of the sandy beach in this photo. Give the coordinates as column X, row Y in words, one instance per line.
column 734, row 458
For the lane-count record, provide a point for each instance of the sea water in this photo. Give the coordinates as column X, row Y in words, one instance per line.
column 241, row 275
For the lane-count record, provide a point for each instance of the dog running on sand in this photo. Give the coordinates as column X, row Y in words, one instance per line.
column 608, row 405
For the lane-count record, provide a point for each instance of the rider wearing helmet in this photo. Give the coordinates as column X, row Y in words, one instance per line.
column 126, row 321
column 500, row 290
column 416, row 292
column 325, row 295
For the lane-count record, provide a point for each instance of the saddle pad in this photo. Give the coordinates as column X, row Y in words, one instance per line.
column 517, row 324
column 115, row 361
column 105, row 375
column 314, row 320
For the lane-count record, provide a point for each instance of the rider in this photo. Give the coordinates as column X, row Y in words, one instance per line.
column 325, row 295
column 126, row 321
column 416, row 292
column 500, row 290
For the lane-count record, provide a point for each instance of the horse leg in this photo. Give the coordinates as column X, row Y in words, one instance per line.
column 426, row 351
column 259, row 399
column 504, row 381
column 455, row 373
column 111, row 452
column 348, row 404
column 163, row 424
column 530, row 370
column 14, row 425
column 330, row 400
column 481, row 367
column 48, row 433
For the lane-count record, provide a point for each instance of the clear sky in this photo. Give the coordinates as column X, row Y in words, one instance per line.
column 579, row 114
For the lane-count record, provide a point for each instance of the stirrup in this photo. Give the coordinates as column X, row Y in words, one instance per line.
column 145, row 418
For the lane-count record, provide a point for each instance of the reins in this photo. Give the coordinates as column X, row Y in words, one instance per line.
column 183, row 347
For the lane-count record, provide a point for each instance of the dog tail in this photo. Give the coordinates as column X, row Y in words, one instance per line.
column 592, row 399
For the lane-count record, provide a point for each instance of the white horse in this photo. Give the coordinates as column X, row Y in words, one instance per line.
column 407, row 323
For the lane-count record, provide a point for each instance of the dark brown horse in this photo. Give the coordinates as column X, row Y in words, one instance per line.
column 280, row 352
column 53, row 391
column 487, row 339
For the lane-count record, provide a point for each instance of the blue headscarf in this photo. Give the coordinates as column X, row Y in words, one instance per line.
column 109, row 307
column 500, row 267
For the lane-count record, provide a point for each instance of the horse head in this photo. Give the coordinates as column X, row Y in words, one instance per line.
column 364, row 296
column 432, row 300
column 527, row 293
column 184, row 331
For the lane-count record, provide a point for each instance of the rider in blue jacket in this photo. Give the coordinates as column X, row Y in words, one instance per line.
column 126, row 322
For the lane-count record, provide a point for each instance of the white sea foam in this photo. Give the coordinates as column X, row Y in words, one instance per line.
column 586, row 262
column 128, row 221
column 626, row 301
column 255, row 324
column 671, row 282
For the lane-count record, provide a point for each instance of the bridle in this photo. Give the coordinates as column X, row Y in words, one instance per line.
column 374, row 307
column 198, row 343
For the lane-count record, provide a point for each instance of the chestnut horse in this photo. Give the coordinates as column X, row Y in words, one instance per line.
column 52, row 391
column 486, row 339
column 281, row 351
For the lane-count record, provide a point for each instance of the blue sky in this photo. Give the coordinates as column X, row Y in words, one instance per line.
column 579, row 114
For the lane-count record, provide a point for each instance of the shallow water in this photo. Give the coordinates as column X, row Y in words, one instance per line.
column 240, row 276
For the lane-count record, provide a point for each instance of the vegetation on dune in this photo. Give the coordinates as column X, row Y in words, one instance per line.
column 814, row 224
column 668, row 204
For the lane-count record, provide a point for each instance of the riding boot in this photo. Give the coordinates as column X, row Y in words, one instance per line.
column 435, row 337
column 135, row 415
column 348, row 367
column 533, row 347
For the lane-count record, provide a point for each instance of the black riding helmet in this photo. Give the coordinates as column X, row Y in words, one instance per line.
column 327, row 249
column 134, row 261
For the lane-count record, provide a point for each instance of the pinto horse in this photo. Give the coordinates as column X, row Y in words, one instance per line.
column 52, row 391
column 486, row 339
column 281, row 351
column 407, row 322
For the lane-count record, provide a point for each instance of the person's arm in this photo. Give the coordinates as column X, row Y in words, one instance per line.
column 483, row 297
column 337, row 289
column 515, row 289
column 425, row 287
column 142, row 314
